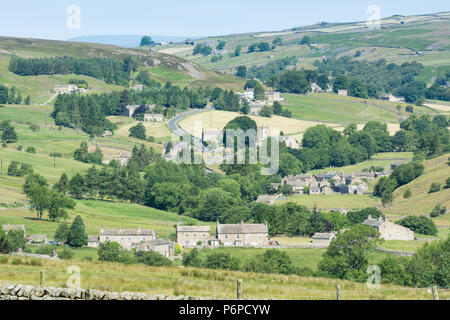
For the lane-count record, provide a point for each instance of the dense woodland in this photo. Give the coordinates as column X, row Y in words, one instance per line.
column 112, row 71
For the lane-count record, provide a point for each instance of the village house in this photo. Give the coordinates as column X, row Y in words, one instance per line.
column 93, row 241
column 389, row 230
column 290, row 142
column 322, row 239
column 8, row 227
column 163, row 247
column 249, row 94
column 138, row 87
column 126, row 237
column 343, row 93
column 267, row 199
column 256, row 107
column 315, row 88
column 220, row 52
column 130, row 109
column 122, row 158
column 243, row 235
column 212, row 135
column 272, row 96
column 392, row 98
column 153, row 117
column 65, row 89
column 189, row 236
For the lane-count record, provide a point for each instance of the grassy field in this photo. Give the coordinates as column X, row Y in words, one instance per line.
column 159, row 130
column 337, row 109
column 218, row 120
column 396, row 42
column 200, row 282
column 422, row 202
column 347, row 201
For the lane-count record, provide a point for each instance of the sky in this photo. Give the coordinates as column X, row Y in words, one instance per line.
column 48, row 19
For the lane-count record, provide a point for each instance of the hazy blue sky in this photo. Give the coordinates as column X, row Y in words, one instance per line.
column 48, row 18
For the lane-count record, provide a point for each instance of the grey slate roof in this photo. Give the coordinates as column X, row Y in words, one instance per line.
column 127, row 232
column 157, row 242
column 194, row 228
column 372, row 222
column 242, row 228
column 323, row 236
column 93, row 238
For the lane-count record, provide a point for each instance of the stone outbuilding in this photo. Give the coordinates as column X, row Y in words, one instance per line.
column 322, row 239
column 389, row 230
column 164, row 247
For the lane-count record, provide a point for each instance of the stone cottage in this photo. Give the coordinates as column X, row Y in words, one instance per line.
column 243, row 235
column 190, row 236
column 126, row 237
column 389, row 230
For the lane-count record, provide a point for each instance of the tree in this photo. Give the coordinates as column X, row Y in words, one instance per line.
column 77, row 234
column 347, row 256
column 241, row 71
column 407, row 194
column 263, row 46
column 109, row 251
column 77, row 186
column 220, row 260
column 221, row 45
column 277, row 41
column 422, row 225
column 16, row 240
column 38, row 199
column 192, row 258
column 138, row 132
column 237, row 51
column 27, row 100
column 62, row 233
column 152, row 258
column 266, row 111
column 435, row 187
column 146, row 41
column 305, row 40
column 58, row 205
column 62, row 186
column 271, row 261
column 4, row 242
column 9, row 135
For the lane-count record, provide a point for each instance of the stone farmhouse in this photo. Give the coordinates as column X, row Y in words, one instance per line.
column 389, row 230
column 256, row 107
column 243, row 235
column 267, row 199
column 392, row 98
column 8, row 227
column 164, row 247
column 343, row 93
column 322, row 239
column 65, row 89
column 290, row 142
column 272, row 96
column 193, row 235
column 153, row 117
column 126, row 237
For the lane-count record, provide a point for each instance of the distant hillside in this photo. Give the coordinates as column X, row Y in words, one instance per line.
column 424, row 38
column 128, row 41
column 162, row 67
column 422, row 202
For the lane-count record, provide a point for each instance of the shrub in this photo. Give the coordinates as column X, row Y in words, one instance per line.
column 435, row 187
column 16, row 239
column 192, row 258
column 219, row 260
column 46, row 250
column 177, row 249
column 65, row 253
column 407, row 194
column 34, row 127
column 422, row 225
column 438, row 210
column 152, row 258
column 16, row 261
column 357, row 217
column 271, row 261
column 34, row 262
column 109, row 251
column 31, row 150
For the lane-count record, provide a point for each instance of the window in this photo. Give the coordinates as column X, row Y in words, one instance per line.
column 186, row 235
column 238, row 237
column 226, row 236
column 195, row 235
column 260, row 236
column 203, row 235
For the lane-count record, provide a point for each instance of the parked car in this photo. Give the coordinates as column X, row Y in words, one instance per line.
column 274, row 243
column 53, row 243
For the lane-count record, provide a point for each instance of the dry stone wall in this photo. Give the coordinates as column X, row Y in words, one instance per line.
column 29, row 292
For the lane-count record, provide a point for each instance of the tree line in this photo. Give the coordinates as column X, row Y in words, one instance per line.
column 111, row 70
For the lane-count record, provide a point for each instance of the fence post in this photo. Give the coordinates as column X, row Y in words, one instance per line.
column 239, row 289
column 42, row 278
column 339, row 292
column 435, row 293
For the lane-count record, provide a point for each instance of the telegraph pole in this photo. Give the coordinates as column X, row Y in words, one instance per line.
column 54, row 159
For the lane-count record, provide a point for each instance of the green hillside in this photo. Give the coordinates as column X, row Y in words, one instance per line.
column 423, row 38
column 162, row 67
